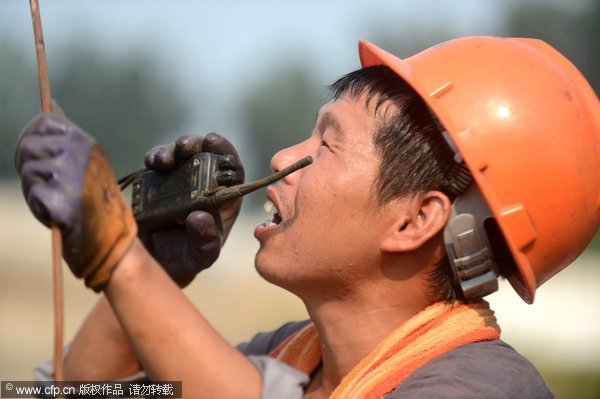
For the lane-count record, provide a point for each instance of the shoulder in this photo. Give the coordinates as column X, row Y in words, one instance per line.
column 490, row 369
column 263, row 343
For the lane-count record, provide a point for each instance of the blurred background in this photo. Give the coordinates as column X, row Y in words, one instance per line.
column 137, row 73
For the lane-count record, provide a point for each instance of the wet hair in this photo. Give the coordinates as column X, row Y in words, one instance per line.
column 414, row 156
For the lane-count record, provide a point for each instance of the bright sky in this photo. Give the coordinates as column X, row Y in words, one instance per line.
column 227, row 39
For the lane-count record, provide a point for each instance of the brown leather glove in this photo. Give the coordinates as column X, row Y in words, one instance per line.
column 185, row 250
column 67, row 182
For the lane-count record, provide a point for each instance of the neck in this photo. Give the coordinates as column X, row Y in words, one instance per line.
column 350, row 327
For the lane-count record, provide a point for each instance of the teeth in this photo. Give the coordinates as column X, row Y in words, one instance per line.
column 268, row 207
column 268, row 223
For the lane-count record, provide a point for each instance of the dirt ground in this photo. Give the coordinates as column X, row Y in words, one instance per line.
column 559, row 332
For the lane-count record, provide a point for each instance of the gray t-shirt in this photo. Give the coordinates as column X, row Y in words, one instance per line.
column 490, row 370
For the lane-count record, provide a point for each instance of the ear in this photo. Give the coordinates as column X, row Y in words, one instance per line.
column 415, row 221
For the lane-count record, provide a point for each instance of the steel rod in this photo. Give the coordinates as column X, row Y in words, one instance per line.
column 46, row 99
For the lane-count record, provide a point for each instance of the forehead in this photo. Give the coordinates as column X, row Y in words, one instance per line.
column 350, row 115
column 381, row 106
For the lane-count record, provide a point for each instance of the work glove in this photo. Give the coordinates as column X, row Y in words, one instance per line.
column 67, row 182
column 184, row 250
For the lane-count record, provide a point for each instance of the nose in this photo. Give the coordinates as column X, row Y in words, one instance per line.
column 288, row 156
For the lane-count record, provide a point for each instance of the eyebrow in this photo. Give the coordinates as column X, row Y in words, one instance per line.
column 327, row 121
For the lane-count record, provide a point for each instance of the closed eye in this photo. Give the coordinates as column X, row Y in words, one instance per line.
column 324, row 144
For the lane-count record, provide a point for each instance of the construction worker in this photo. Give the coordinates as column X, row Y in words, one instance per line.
column 431, row 178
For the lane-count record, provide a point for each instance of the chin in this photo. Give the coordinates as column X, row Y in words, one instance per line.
column 264, row 269
column 274, row 272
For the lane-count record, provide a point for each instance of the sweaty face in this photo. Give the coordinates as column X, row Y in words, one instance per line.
column 326, row 222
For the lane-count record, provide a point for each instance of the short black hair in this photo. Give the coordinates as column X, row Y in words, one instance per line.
column 414, row 155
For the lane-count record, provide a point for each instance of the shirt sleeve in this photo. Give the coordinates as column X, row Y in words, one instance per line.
column 263, row 343
column 278, row 379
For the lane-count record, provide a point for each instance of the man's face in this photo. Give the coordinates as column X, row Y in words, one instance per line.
column 327, row 222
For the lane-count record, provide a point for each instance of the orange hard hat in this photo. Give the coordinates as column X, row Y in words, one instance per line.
column 527, row 125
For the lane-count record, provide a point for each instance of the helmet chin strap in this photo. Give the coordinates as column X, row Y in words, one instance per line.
column 467, row 245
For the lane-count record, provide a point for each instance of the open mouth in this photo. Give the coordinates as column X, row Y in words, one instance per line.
column 274, row 223
column 269, row 207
